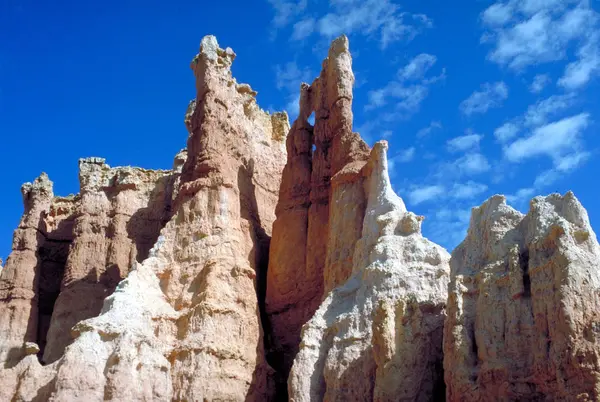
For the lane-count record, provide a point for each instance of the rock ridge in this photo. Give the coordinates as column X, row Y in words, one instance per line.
column 277, row 263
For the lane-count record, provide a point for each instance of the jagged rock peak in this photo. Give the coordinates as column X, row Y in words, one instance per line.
column 146, row 286
column 320, row 208
column 524, row 303
column 41, row 187
column 378, row 336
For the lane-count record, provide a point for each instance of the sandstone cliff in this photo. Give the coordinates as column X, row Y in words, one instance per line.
column 186, row 323
column 379, row 335
column 274, row 262
column 523, row 305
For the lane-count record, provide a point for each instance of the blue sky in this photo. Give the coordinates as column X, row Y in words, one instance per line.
column 475, row 97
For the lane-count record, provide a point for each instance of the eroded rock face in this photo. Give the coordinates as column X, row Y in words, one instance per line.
column 185, row 324
column 313, row 243
column 523, row 305
column 153, row 285
column 378, row 336
column 117, row 220
column 21, row 276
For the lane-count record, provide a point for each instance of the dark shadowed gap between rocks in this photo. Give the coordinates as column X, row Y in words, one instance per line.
column 260, row 252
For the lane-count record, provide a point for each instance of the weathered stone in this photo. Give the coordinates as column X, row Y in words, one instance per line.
column 185, row 324
column 153, row 285
column 524, row 305
column 312, row 245
column 378, row 336
column 20, row 278
column 117, row 220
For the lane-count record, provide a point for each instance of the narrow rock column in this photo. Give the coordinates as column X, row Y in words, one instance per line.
column 312, row 245
column 19, row 278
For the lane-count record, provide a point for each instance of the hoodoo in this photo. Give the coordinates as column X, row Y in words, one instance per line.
column 275, row 263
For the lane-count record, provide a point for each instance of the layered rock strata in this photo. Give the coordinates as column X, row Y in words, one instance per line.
column 524, row 305
column 378, row 336
column 320, row 208
column 260, row 255
column 116, row 221
column 30, row 281
column 185, row 324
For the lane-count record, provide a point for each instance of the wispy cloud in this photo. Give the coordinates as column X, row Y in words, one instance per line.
column 288, row 78
column 409, row 89
column 524, row 33
column 303, row 28
column 506, row 132
column 540, row 81
column 471, row 164
column 405, row 155
column 553, row 139
column 579, row 73
column 464, row 143
column 417, row 67
column 382, row 20
column 448, row 226
column 520, row 196
column 491, row 95
column 468, row 190
column 286, row 11
column 425, row 131
column 419, row 195
column 540, row 112
column 372, row 18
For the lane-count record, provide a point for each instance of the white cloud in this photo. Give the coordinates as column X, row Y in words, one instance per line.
column 546, row 178
column 522, row 195
column 490, row 96
column 417, row 67
column 293, row 107
column 571, row 162
column 472, row 164
column 497, row 14
column 424, row 194
column 386, row 134
column 554, row 139
column 467, row 165
column 539, row 83
column 285, row 11
column 406, row 155
column 467, row 190
column 408, row 96
column 371, row 18
column 540, row 112
column 303, row 28
column 531, row 32
column 577, row 74
column 562, row 167
column 434, row 125
column 464, row 143
column 448, row 226
column 289, row 76
column 506, row 132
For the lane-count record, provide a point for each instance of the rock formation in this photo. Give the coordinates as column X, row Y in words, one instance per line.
column 185, row 324
column 379, row 335
column 313, row 242
column 272, row 262
column 524, row 305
